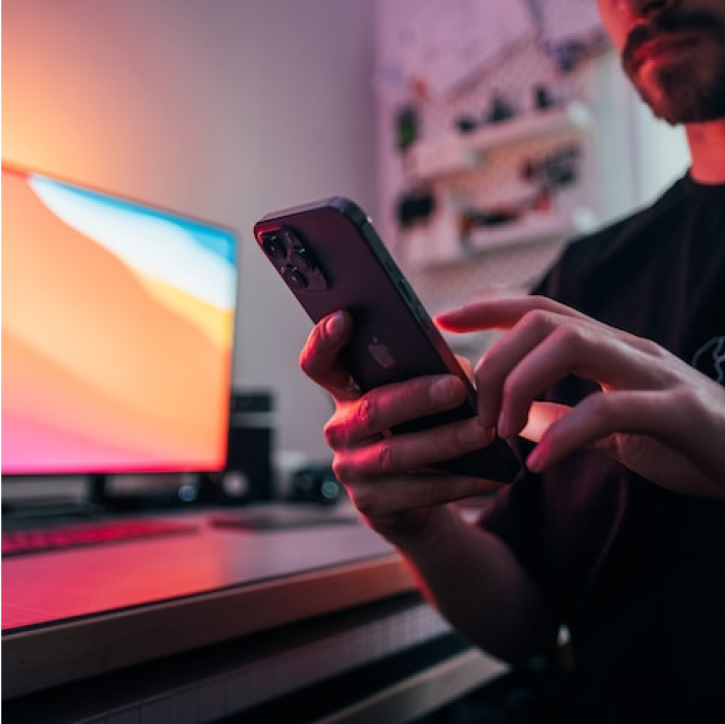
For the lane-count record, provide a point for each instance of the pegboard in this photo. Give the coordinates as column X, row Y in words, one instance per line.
column 533, row 59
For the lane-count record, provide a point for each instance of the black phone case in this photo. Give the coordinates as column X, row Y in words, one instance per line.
column 331, row 258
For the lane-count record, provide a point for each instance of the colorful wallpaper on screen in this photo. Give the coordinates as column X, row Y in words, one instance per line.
column 117, row 330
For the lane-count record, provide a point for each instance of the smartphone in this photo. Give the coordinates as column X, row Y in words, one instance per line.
column 330, row 256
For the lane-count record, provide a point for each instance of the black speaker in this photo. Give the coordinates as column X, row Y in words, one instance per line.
column 316, row 484
column 248, row 474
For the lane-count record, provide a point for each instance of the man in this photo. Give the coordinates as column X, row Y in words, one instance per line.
column 617, row 527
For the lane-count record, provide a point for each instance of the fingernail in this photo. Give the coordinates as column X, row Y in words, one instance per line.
column 334, row 326
column 443, row 390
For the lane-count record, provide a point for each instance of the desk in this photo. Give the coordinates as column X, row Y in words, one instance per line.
column 200, row 626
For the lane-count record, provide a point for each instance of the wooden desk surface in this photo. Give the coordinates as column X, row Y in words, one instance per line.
column 75, row 613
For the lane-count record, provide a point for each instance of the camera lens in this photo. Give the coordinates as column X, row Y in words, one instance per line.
column 294, row 277
column 274, row 246
column 302, row 259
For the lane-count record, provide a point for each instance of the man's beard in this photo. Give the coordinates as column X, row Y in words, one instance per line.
column 686, row 94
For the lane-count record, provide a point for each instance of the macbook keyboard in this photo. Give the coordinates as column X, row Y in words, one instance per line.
column 19, row 542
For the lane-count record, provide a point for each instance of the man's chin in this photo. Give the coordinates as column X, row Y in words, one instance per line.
column 683, row 115
column 678, row 99
column 664, row 111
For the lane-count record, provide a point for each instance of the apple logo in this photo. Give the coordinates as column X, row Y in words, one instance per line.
column 381, row 354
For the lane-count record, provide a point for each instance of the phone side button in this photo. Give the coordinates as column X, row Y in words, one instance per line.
column 423, row 317
column 407, row 292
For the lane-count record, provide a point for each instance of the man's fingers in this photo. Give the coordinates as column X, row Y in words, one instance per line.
column 524, row 373
column 386, row 407
column 401, row 454
column 494, row 371
column 320, row 357
column 593, row 423
column 417, row 490
column 547, row 343
column 499, row 313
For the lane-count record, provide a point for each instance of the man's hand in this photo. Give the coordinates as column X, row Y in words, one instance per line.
column 467, row 573
column 389, row 478
column 655, row 414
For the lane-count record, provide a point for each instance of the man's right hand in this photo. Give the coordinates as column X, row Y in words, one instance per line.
column 389, row 478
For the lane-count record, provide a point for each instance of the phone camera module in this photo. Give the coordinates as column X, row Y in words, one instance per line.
column 274, row 246
column 295, row 278
column 287, row 250
column 302, row 259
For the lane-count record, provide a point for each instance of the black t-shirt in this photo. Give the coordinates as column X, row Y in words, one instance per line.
column 637, row 573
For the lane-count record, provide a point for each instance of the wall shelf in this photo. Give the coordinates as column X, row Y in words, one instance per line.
column 529, row 230
column 435, row 252
column 455, row 153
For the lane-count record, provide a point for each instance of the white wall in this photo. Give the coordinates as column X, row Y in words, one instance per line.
column 224, row 109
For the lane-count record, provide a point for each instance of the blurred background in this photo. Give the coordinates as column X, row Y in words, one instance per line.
column 228, row 109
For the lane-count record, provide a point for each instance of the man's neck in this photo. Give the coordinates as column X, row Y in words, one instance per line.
column 707, row 147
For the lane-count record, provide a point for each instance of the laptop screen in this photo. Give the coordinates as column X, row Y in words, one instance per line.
column 117, row 333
